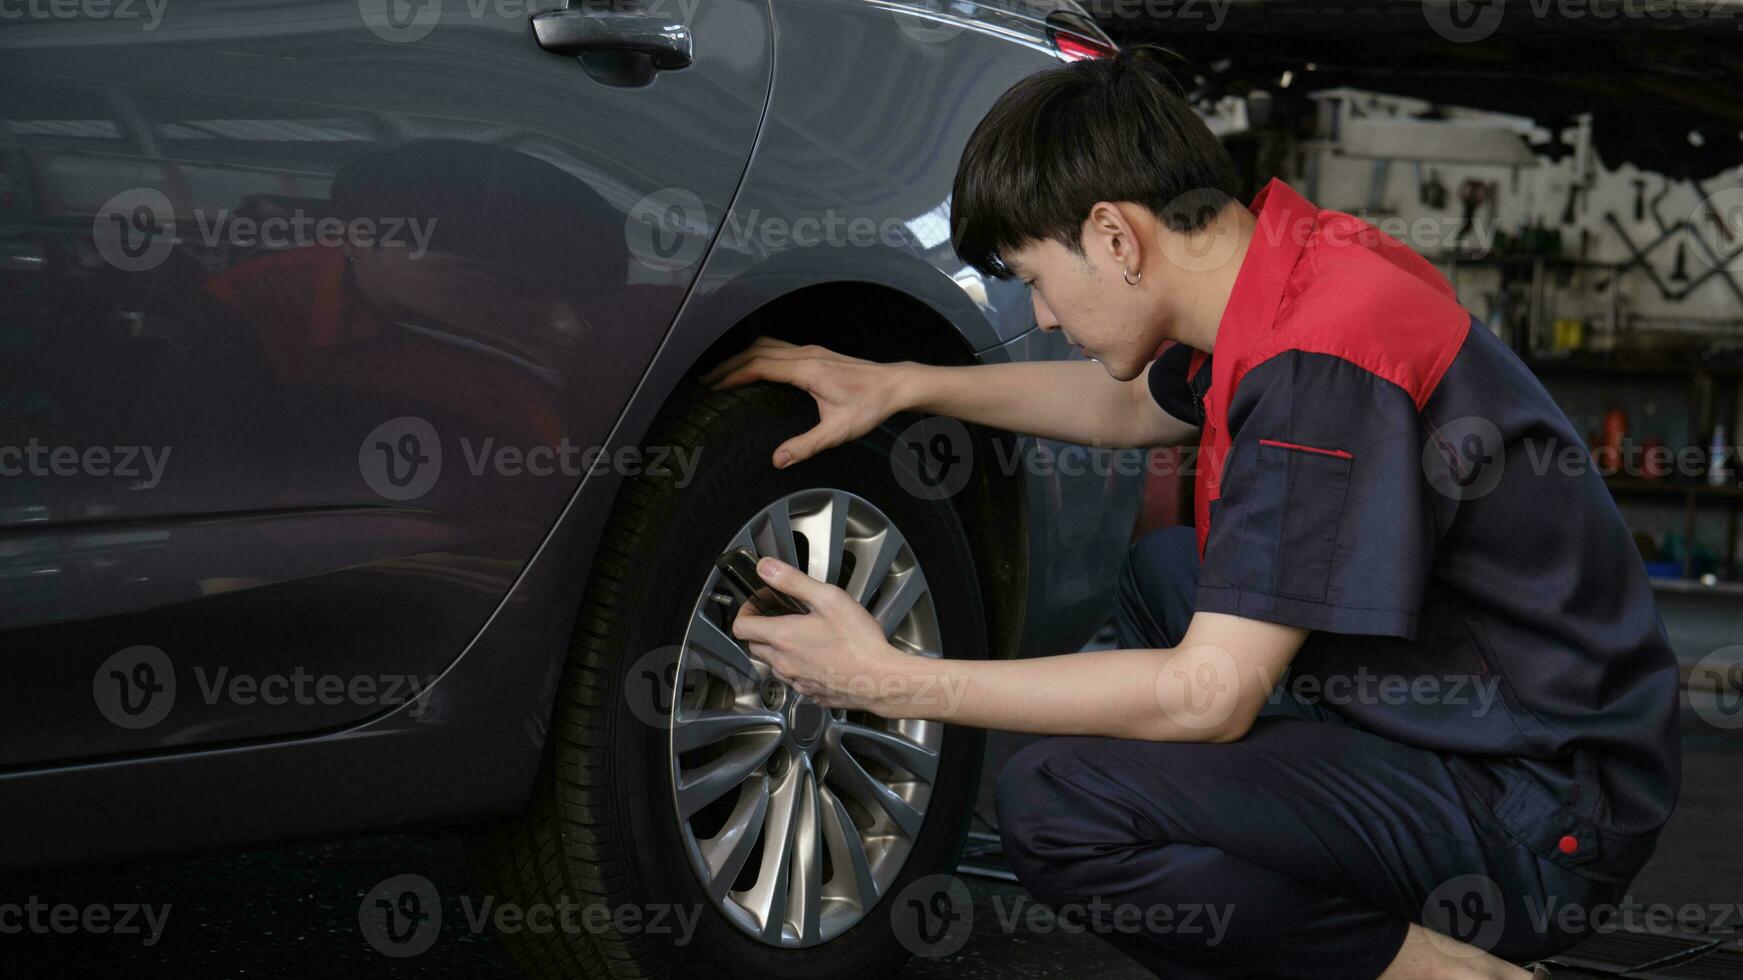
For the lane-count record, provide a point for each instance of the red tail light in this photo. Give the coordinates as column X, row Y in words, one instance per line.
column 1076, row 47
column 1076, row 37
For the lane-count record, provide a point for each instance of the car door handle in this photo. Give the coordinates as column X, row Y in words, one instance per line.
column 575, row 32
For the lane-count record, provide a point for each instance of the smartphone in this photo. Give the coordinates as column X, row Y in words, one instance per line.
column 738, row 569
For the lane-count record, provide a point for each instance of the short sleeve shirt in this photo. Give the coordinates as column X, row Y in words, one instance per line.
column 1374, row 461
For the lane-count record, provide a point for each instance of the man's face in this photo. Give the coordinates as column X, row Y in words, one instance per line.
column 1088, row 299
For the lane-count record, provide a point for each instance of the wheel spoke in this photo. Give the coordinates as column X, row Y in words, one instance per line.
column 894, row 604
column 775, row 537
column 709, row 782
column 891, row 749
column 767, row 899
column 708, row 727
column 847, row 851
column 721, row 655
column 870, row 570
column 807, row 860
column 726, row 852
column 851, row 777
column 825, row 531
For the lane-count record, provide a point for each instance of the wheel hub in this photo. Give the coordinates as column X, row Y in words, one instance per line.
column 805, row 720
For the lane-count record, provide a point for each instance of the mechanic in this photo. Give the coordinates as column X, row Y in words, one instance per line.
column 1366, row 504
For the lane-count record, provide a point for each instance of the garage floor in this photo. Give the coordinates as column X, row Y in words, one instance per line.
column 294, row 911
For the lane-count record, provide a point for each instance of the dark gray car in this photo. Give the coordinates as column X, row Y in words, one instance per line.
column 354, row 474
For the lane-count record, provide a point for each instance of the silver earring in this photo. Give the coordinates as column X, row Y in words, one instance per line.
column 1128, row 276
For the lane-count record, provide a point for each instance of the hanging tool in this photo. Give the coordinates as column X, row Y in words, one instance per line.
column 1432, row 193
column 1473, row 194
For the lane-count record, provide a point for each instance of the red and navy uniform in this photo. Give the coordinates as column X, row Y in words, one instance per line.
column 1378, row 468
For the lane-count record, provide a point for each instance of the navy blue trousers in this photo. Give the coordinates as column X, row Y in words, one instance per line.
column 1303, row 849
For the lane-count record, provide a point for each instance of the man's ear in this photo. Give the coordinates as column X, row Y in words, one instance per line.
column 1113, row 230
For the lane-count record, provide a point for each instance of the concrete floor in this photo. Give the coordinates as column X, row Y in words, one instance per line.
column 294, row 911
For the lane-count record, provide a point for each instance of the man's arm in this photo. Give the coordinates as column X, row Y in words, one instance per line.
column 1207, row 689
column 1073, row 401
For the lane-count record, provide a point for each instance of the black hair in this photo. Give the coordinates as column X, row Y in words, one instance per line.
column 1101, row 129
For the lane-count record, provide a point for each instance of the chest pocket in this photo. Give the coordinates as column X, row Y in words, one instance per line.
column 1310, row 484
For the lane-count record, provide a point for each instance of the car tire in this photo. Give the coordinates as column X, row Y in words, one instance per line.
column 601, row 830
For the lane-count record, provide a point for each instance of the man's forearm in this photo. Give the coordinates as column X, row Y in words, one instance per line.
column 1155, row 695
column 1072, row 401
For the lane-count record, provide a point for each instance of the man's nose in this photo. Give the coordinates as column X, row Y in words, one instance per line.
column 1044, row 317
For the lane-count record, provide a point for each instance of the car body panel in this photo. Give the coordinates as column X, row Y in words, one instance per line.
column 271, row 542
column 469, row 748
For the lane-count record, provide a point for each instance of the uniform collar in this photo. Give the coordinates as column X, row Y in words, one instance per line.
column 1284, row 222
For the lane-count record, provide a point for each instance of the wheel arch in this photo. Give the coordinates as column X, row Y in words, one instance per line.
column 882, row 323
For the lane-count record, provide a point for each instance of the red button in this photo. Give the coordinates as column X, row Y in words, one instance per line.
column 1569, row 845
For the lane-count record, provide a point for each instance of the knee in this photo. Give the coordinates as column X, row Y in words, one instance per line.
column 1157, row 588
column 1047, row 826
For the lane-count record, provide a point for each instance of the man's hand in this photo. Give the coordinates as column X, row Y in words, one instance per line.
column 836, row 654
column 852, row 395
